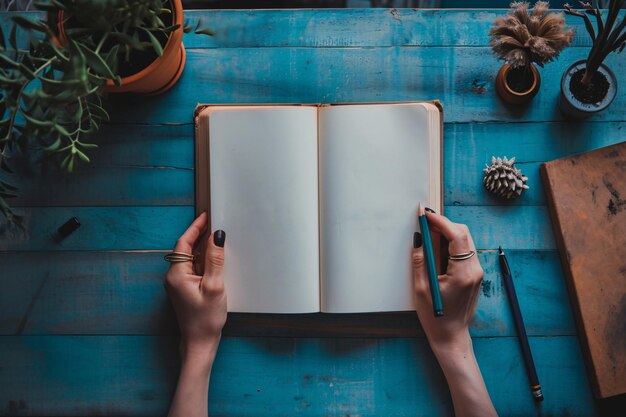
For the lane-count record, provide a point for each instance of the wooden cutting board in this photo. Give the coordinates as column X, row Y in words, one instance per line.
column 587, row 200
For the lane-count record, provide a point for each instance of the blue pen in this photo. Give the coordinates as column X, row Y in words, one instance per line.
column 429, row 256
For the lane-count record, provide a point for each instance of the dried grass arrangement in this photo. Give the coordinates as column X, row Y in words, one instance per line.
column 524, row 37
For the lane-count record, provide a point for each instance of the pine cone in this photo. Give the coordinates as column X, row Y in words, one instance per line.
column 503, row 179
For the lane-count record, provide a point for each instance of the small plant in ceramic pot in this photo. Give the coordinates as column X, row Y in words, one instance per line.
column 53, row 73
column 589, row 86
column 523, row 38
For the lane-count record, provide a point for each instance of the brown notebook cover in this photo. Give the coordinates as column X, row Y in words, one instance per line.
column 587, row 199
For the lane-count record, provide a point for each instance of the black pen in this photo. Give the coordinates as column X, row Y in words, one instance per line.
column 535, row 387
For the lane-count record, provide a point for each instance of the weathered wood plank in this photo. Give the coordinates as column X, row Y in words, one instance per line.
column 135, row 375
column 152, row 165
column 332, row 28
column 462, row 78
column 102, row 228
column 515, row 227
column 122, row 293
column 304, row 57
column 92, row 185
column 133, row 228
column 467, row 147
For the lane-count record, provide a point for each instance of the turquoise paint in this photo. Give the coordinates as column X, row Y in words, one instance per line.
column 135, row 375
column 158, row 227
column 97, row 335
column 153, row 165
column 337, row 74
column 112, row 293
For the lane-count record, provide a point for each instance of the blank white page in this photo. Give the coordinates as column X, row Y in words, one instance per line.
column 374, row 170
column 264, row 195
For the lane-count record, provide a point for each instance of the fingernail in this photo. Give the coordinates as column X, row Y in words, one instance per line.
column 219, row 237
column 429, row 209
column 417, row 240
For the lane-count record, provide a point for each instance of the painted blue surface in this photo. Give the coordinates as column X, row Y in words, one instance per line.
column 85, row 328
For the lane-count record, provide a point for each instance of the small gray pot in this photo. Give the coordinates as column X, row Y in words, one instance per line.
column 572, row 107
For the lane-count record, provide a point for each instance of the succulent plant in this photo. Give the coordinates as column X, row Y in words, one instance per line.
column 503, row 179
column 611, row 35
column 50, row 98
column 521, row 38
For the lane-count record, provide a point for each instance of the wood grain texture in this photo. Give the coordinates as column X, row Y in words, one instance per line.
column 96, row 335
column 469, row 146
column 119, row 293
column 331, row 27
column 376, row 28
column 135, row 375
column 153, row 165
column 158, row 227
column 462, row 78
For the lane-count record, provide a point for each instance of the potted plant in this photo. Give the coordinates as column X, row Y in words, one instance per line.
column 589, row 86
column 147, row 35
column 54, row 73
column 523, row 39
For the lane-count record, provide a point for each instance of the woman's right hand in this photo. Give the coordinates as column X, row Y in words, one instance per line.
column 449, row 336
column 459, row 287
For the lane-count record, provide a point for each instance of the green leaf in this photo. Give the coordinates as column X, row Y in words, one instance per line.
column 125, row 39
column 205, row 31
column 156, row 45
column 99, row 112
column 62, row 130
column 6, row 168
column 54, row 146
column 7, row 195
column 36, row 122
column 45, row 6
column 5, row 81
column 2, row 41
column 96, row 63
column 13, row 36
column 8, row 187
column 111, row 58
column 26, row 72
column 65, row 161
column 8, row 62
column 29, row 24
column 81, row 155
column 58, row 52
column 88, row 145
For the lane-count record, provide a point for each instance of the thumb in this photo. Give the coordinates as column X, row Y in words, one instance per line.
column 420, row 276
column 214, row 256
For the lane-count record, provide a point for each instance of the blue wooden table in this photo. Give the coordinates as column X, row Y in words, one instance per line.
column 86, row 328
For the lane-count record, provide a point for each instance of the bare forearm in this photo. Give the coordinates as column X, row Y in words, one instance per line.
column 466, row 384
column 192, row 391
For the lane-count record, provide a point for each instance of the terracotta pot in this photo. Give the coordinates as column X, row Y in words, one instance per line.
column 163, row 72
column 571, row 106
column 511, row 96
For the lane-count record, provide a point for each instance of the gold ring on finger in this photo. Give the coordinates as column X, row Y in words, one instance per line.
column 462, row 256
column 174, row 257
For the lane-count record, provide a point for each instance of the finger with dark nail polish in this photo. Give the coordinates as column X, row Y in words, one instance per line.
column 429, row 209
column 219, row 237
column 417, row 240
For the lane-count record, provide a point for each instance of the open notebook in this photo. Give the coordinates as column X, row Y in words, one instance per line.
column 319, row 202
